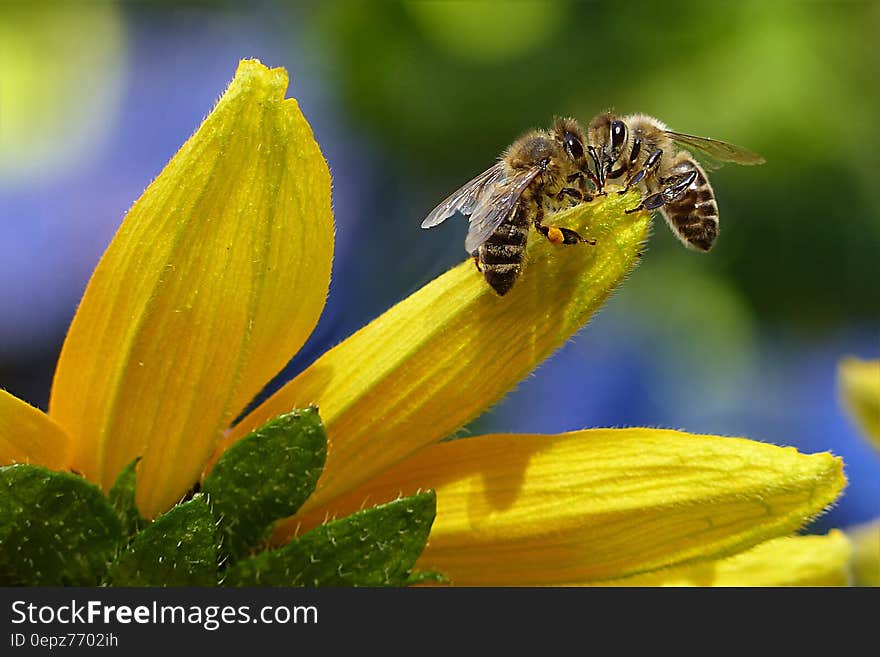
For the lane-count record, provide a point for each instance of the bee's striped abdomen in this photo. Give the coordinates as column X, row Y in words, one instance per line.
column 501, row 256
column 694, row 216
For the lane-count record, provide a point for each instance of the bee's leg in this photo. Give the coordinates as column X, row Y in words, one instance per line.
column 572, row 193
column 672, row 190
column 476, row 256
column 569, row 191
column 597, row 178
column 581, row 179
column 558, row 235
column 650, row 165
column 630, row 164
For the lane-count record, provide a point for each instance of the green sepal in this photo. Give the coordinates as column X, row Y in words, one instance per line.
column 56, row 528
column 121, row 497
column 264, row 477
column 180, row 548
column 373, row 547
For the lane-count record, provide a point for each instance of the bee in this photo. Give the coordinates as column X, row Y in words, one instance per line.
column 542, row 171
column 643, row 151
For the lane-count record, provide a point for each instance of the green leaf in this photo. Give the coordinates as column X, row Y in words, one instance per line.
column 374, row 547
column 180, row 548
column 56, row 528
column 422, row 576
column 122, row 499
column 265, row 476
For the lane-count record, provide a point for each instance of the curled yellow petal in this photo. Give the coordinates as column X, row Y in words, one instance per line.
column 600, row 504
column 787, row 561
column 439, row 358
column 27, row 435
column 859, row 386
column 215, row 278
column 866, row 553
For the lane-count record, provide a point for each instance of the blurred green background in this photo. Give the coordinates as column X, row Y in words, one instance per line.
column 411, row 99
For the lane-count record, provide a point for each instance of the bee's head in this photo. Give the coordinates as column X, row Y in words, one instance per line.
column 617, row 137
column 530, row 150
column 607, row 136
column 570, row 136
column 544, row 150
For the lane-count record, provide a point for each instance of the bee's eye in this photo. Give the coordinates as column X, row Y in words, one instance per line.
column 618, row 135
column 573, row 146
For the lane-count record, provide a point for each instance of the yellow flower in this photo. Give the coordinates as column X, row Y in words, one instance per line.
column 865, row 562
column 789, row 561
column 859, row 390
column 859, row 384
column 216, row 278
column 601, row 503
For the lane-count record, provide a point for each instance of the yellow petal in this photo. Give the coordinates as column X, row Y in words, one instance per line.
column 601, row 503
column 787, row 561
column 216, row 277
column 27, row 435
column 866, row 553
column 439, row 358
column 859, row 383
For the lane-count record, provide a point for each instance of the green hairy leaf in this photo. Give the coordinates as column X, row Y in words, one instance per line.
column 265, row 476
column 180, row 548
column 373, row 547
column 56, row 529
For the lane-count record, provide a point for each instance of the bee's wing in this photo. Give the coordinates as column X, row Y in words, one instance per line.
column 719, row 150
column 465, row 198
column 495, row 205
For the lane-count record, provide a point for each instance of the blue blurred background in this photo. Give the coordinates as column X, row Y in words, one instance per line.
column 409, row 100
